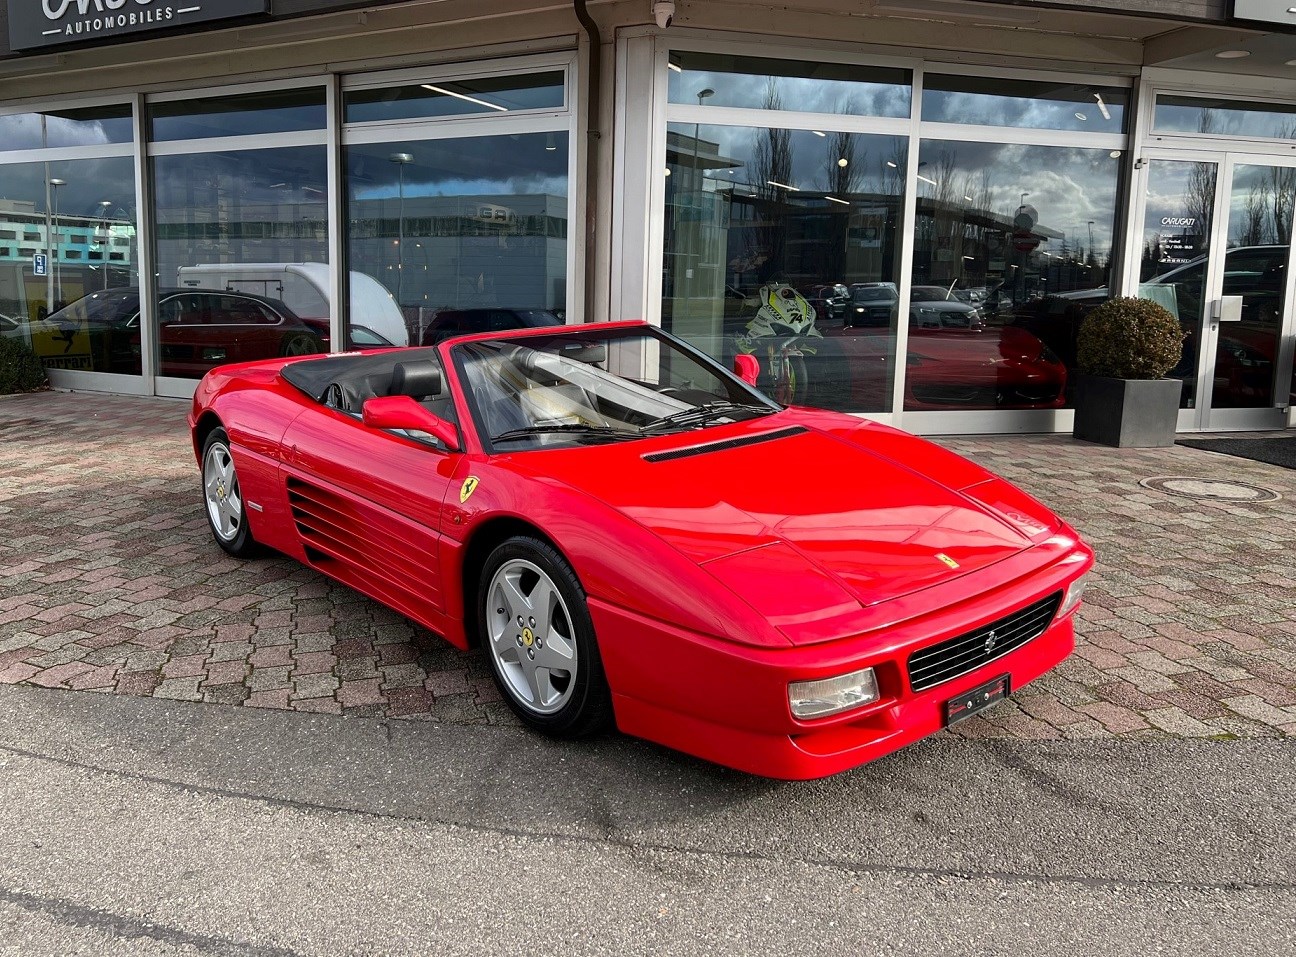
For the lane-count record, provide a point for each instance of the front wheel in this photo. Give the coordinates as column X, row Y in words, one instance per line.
column 223, row 498
column 537, row 632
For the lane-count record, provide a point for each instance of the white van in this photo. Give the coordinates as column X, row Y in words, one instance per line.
column 303, row 288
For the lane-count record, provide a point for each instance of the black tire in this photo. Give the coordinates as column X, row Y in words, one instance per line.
column 582, row 705
column 223, row 502
column 300, row 344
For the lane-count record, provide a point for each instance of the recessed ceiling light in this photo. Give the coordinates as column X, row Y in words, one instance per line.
column 1291, row 63
column 1114, row 154
column 1232, row 54
column 1081, row 116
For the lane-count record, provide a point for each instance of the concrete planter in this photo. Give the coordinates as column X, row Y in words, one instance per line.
column 1127, row 413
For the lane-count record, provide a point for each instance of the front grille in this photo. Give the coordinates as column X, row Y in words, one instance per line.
column 967, row 652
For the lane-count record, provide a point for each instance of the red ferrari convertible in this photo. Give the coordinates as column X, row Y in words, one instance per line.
column 634, row 535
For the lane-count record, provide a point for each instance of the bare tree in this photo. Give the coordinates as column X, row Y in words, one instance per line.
column 772, row 163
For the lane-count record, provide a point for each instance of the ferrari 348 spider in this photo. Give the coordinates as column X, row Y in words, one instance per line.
column 635, row 535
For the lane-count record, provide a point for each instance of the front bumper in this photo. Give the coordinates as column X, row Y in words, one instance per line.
column 728, row 703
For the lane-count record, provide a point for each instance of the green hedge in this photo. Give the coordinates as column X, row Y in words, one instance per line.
column 20, row 369
column 1127, row 338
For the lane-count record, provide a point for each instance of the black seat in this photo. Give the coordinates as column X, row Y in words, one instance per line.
column 420, row 379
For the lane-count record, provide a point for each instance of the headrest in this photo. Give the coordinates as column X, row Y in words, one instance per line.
column 418, row 379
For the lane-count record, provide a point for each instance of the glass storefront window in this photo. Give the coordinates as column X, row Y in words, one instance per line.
column 716, row 79
column 84, row 126
column 1023, row 104
column 80, row 217
column 241, row 256
column 783, row 244
column 471, row 97
column 275, row 111
column 1212, row 115
column 1012, row 246
column 464, row 234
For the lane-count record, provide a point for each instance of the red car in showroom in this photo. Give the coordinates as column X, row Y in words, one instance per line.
column 635, row 536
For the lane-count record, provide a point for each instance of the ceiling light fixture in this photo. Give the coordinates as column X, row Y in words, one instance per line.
column 834, row 199
column 1102, row 107
column 795, row 189
column 892, row 165
column 817, row 133
column 674, row 66
column 464, row 96
column 1232, row 54
column 1081, row 117
column 925, row 179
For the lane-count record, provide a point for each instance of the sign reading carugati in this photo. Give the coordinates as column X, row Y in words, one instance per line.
column 47, row 23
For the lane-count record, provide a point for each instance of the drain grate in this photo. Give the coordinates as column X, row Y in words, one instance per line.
column 1214, row 489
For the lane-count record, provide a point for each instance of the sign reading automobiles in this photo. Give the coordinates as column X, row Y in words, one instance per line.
column 47, row 23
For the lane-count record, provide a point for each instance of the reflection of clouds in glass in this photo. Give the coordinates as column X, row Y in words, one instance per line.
column 1030, row 113
column 523, row 184
column 814, row 165
column 22, row 131
column 86, row 185
column 521, row 160
column 1067, row 185
column 800, row 94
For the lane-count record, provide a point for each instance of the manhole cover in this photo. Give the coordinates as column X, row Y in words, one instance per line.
column 1211, row 488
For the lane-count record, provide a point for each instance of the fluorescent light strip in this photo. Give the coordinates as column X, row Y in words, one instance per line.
column 925, row 179
column 1102, row 107
column 677, row 69
column 834, row 199
column 795, row 189
column 817, row 133
column 464, row 96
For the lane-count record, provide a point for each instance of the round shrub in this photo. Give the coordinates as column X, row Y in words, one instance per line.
column 20, row 369
column 1127, row 338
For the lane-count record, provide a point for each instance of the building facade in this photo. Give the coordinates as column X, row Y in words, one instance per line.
column 950, row 185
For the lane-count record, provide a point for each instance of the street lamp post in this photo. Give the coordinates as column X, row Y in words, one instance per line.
column 400, row 159
column 51, row 236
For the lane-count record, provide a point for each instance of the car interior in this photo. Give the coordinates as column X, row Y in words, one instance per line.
column 345, row 382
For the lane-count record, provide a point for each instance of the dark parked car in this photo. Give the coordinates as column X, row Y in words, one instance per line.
column 462, row 322
column 198, row 329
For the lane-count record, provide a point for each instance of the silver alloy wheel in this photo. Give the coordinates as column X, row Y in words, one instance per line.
column 532, row 640
column 299, row 345
column 221, row 489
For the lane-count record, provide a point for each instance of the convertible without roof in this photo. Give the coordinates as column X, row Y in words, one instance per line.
column 634, row 535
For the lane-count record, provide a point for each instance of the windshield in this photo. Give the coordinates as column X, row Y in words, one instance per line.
column 595, row 387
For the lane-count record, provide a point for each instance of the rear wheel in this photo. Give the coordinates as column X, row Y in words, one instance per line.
column 300, row 344
column 537, row 632
column 223, row 497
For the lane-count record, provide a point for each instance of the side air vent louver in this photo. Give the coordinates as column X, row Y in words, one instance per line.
column 725, row 444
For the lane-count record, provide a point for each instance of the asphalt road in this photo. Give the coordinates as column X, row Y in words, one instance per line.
column 141, row 826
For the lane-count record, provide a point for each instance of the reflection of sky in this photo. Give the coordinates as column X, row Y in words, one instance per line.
column 1068, row 186
column 832, row 88
column 22, row 131
column 238, row 178
column 540, row 91
column 277, row 112
column 1021, row 104
column 87, row 184
column 478, row 165
column 1180, row 115
column 814, row 158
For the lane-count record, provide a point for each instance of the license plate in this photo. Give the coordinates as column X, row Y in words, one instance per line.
column 978, row 699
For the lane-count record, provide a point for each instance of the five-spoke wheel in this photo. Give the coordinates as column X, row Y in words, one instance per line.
column 537, row 632
column 223, row 497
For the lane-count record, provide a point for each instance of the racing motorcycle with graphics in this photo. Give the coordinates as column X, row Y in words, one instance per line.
column 781, row 335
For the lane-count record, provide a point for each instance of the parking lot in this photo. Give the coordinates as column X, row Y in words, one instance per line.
column 199, row 755
column 109, row 582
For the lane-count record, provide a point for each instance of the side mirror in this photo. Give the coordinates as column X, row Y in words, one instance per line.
column 402, row 412
column 747, row 368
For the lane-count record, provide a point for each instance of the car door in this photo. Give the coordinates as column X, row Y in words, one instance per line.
column 369, row 506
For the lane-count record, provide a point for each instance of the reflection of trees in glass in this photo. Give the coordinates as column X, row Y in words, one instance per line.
column 772, row 163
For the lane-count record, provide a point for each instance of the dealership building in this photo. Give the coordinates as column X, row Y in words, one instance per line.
column 950, row 185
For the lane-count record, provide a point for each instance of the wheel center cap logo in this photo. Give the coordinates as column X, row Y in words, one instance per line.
column 528, row 637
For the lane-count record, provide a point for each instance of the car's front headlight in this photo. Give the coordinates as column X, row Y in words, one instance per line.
column 1074, row 592
column 817, row 699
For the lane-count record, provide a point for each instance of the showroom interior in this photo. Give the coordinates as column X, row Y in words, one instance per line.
column 950, row 185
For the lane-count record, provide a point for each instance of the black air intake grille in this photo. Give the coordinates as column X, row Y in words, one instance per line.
column 967, row 652
column 725, row 444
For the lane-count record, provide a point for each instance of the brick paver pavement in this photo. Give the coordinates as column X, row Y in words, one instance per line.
column 110, row 582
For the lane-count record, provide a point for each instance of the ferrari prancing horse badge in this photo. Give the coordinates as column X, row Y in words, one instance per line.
column 469, row 486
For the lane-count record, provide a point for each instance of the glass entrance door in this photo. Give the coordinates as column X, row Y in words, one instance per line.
column 1216, row 252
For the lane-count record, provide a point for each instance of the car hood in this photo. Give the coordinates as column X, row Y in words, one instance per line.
column 802, row 521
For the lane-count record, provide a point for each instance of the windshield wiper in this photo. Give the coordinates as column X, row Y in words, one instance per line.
column 702, row 414
column 577, row 428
